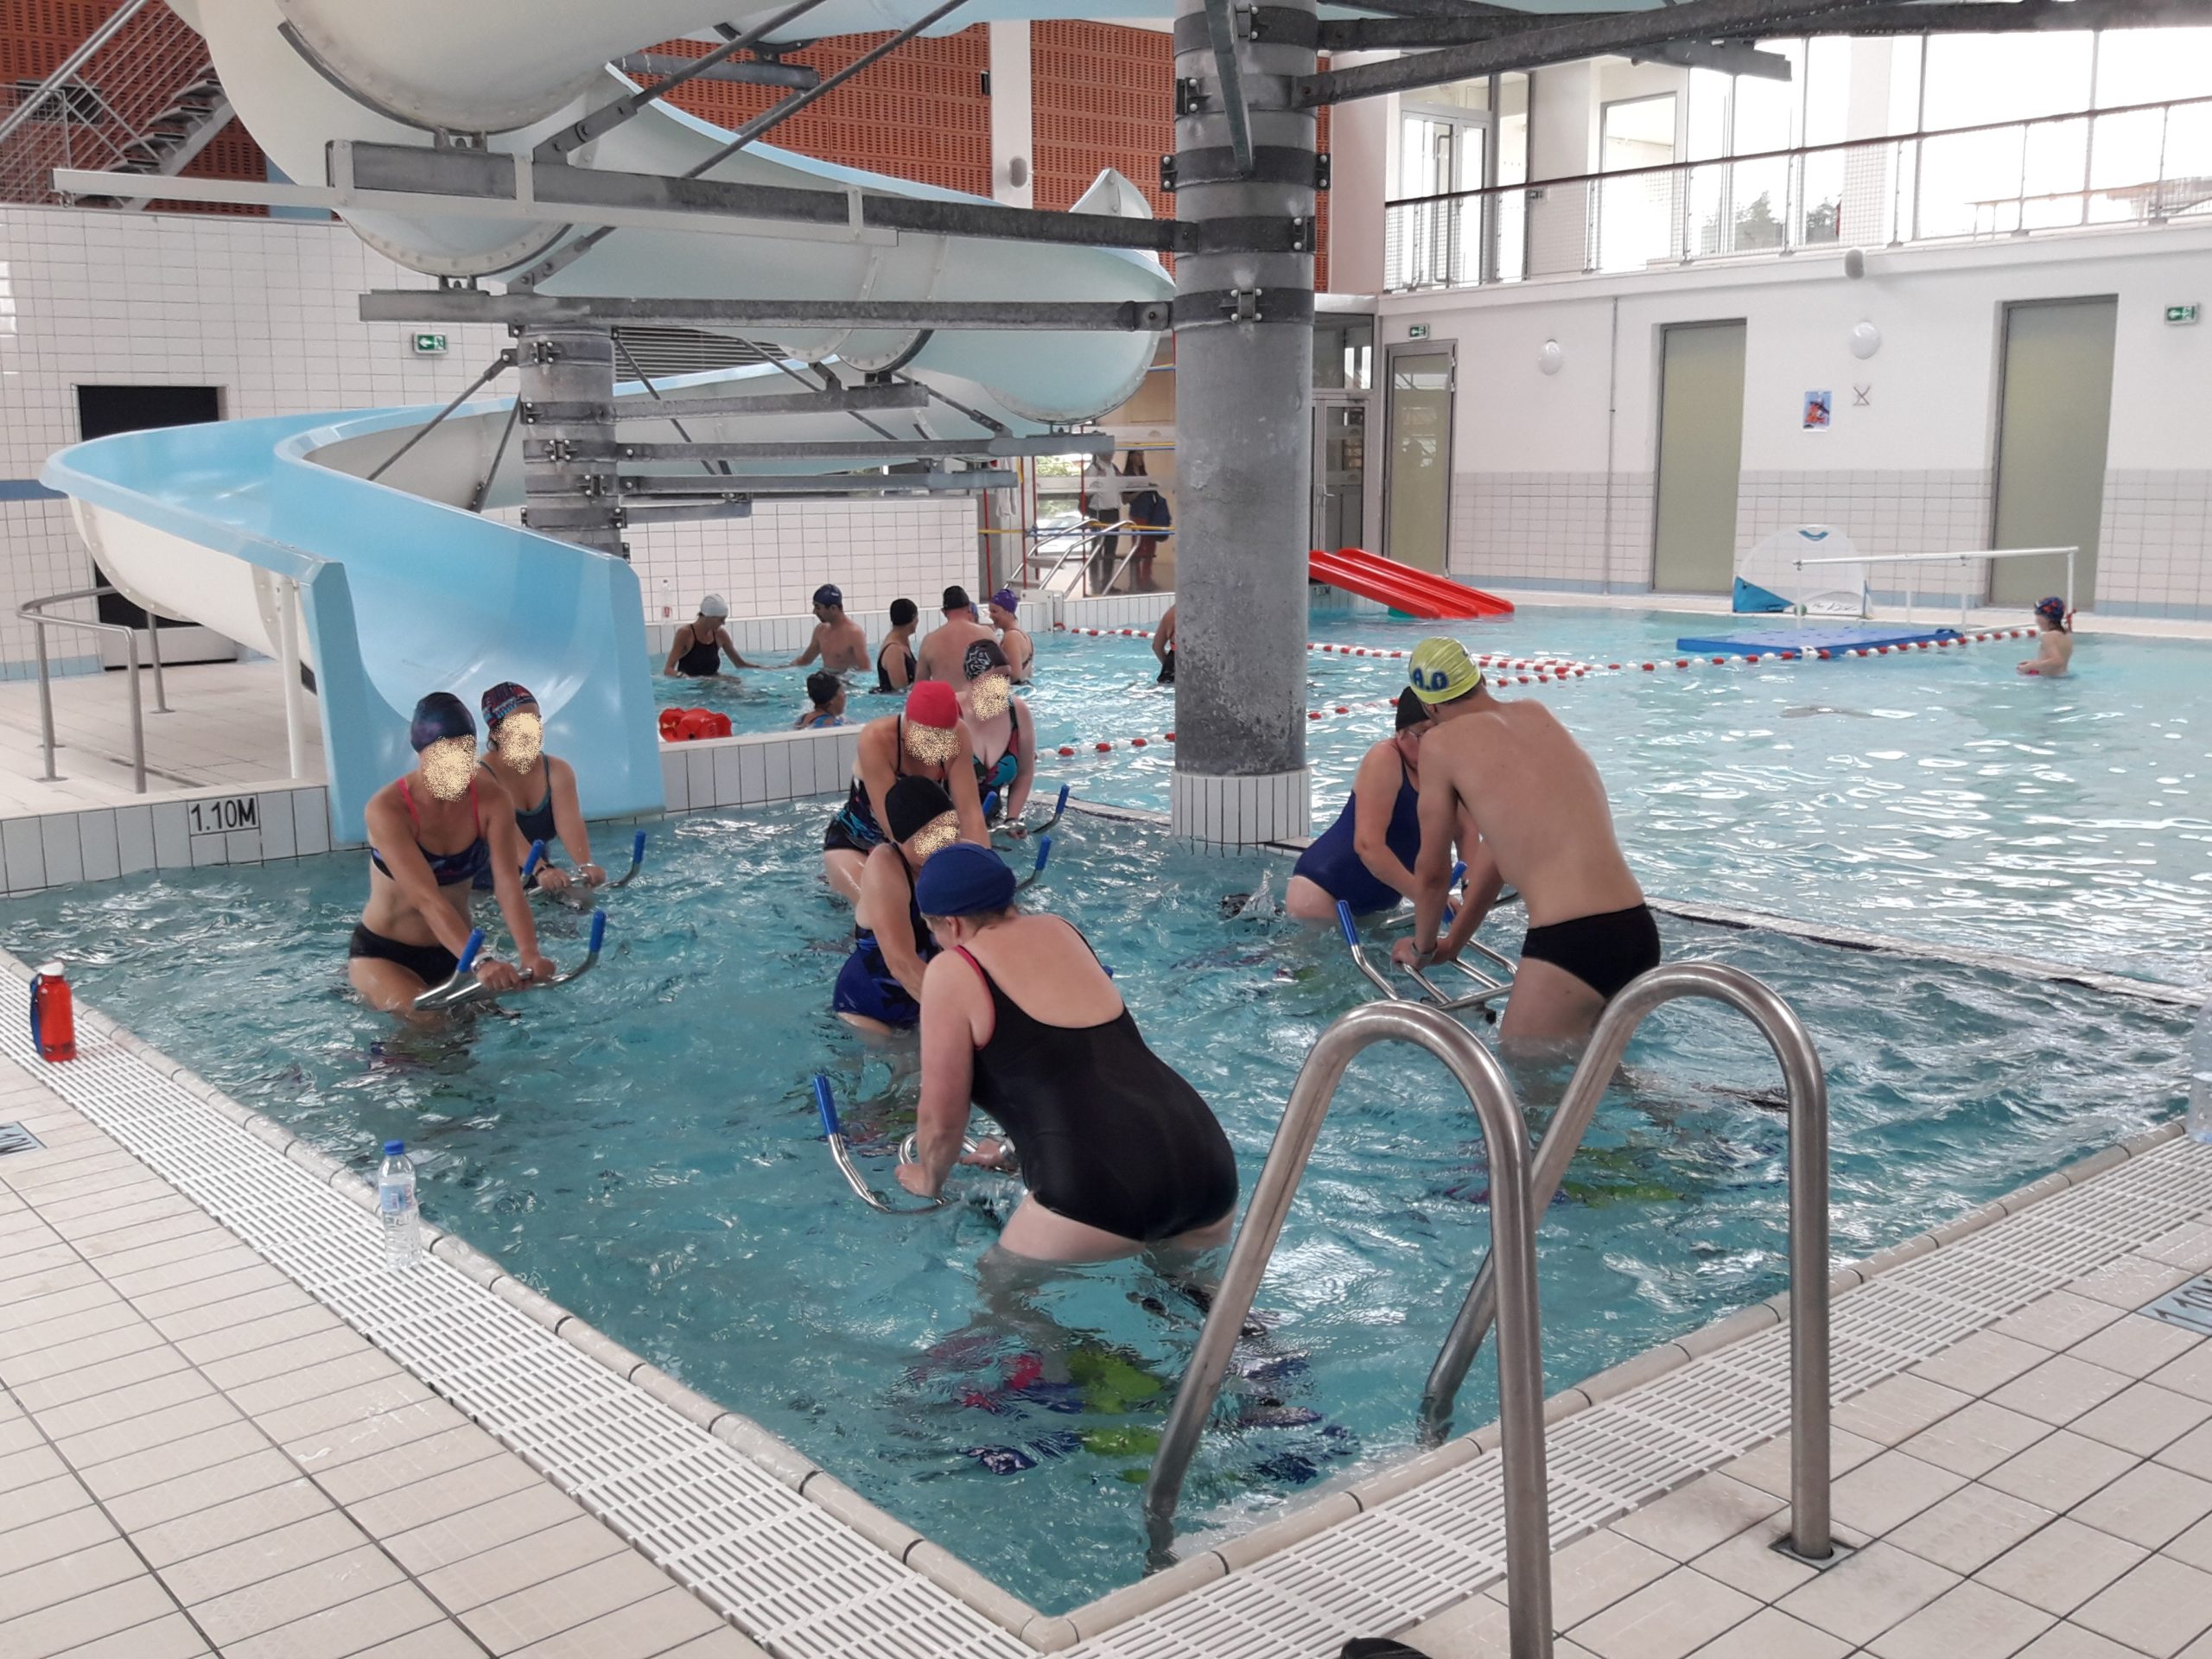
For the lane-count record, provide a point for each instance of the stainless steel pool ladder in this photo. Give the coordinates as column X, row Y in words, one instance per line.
column 1520, row 1363
column 33, row 612
column 1810, row 1531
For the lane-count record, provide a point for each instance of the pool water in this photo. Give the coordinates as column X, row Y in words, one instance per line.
column 643, row 1148
column 1938, row 795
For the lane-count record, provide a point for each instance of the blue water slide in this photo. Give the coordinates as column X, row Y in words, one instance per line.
column 399, row 595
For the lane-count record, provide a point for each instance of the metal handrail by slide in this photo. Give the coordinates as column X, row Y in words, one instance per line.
column 1810, row 1531
column 1520, row 1360
column 33, row 612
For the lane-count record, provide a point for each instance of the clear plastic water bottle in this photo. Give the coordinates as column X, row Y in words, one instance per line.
column 2200, row 1079
column 402, row 1222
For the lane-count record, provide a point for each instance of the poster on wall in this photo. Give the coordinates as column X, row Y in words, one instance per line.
column 1820, row 411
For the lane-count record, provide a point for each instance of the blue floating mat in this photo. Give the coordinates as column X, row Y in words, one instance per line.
column 1809, row 641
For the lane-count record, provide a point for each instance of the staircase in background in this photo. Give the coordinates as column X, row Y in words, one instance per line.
column 139, row 96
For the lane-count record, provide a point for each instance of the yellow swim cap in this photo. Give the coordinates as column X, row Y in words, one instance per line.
column 1441, row 672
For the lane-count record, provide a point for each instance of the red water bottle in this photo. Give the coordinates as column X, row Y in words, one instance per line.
column 54, row 1014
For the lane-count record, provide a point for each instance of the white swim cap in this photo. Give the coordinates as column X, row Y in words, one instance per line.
column 714, row 605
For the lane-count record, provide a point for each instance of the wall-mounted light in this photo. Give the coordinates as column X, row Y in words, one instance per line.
column 1865, row 339
column 1017, row 171
column 1854, row 263
column 1550, row 358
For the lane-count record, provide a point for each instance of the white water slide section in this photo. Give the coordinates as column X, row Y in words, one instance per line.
column 271, row 531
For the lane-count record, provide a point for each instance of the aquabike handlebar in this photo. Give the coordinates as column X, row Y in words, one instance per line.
column 825, row 1101
column 465, row 988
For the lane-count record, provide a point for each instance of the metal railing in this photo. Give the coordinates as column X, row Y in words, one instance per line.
column 33, row 612
column 2132, row 164
column 1520, row 1359
column 1810, row 1530
column 140, row 89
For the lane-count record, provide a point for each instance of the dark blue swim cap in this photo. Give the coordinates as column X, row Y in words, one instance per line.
column 440, row 715
column 963, row 880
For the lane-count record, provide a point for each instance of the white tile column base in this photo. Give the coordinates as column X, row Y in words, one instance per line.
column 1242, row 812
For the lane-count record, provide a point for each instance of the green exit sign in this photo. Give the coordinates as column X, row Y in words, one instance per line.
column 2181, row 313
column 429, row 344
column 1416, row 331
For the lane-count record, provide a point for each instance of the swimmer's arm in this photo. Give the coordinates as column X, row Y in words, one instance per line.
column 1375, row 794
column 960, row 784
column 390, row 834
column 729, row 650
column 568, row 820
column 1025, row 731
column 1440, row 813
column 813, row 649
column 676, row 649
column 948, row 1075
column 508, row 852
column 896, row 672
column 1163, row 636
column 1485, row 883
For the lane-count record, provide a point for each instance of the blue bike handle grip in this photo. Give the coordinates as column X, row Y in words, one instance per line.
column 1061, row 805
column 1344, row 920
column 536, row 857
column 990, row 803
column 826, row 1103
column 1044, row 852
column 598, row 930
column 637, row 849
column 1458, row 871
column 468, row 951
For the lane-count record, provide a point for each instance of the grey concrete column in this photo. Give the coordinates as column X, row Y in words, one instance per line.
column 1243, row 441
column 568, row 393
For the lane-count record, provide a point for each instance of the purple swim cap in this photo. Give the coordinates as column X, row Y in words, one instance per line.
column 440, row 715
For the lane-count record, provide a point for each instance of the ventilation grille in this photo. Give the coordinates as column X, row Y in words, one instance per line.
column 657, row 352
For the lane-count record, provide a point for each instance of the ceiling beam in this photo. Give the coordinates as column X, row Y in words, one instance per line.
column 1585, row 37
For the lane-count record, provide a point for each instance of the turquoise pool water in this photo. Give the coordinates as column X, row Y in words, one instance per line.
column 643, row 1148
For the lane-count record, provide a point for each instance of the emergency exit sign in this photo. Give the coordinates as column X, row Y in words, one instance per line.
column 435, row 345
column 2181, row 313
column 1416, row 331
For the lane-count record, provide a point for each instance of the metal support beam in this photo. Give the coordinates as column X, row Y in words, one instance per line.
column 841, row 400
column 608, row 117
column 1725, row 57
column 547, row 188
column 751, row 72
column 1589, row 37
column 865, row 451
column 1244, row 376
column 572, row 367
column 500, row 364
column 1449, row 22
column 1229, row 82
column 820, row 483
column 458, row 305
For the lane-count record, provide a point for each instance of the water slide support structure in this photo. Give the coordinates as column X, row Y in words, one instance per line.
column 568, row 384
column 1245, row 375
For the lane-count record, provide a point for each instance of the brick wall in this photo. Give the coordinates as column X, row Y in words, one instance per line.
column 920, row 114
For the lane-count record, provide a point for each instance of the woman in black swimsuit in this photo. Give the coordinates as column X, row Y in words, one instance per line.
column 894, row 657
column 523, row 774
column 1120, row 1153
column 429, row 834
column 698, row 651
column 928, row 741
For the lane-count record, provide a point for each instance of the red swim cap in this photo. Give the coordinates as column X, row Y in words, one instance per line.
column 933, row 703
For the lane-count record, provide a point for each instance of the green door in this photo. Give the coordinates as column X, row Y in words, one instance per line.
column 1417, row 489
column 1700, row 453
column 2053, row 428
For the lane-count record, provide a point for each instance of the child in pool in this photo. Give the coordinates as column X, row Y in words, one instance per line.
column 2055, row 651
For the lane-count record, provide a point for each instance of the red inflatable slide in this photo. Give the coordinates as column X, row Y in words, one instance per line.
column 1417, row 593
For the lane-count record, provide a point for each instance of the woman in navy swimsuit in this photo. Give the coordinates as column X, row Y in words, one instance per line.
column 880, row 988
column 430, row 834
column 524, row 773
column 1366, row 857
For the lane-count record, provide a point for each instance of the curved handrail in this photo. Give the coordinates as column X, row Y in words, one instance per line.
column 825, row 1101
column 1520, row 1366
column 1786, row 1035
column 1489, row 989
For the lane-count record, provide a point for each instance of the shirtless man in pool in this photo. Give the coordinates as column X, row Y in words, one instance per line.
column 1546, row 827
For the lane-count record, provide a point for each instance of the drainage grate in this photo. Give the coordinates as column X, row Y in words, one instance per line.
column 14, row 1137
column 2188, row 1306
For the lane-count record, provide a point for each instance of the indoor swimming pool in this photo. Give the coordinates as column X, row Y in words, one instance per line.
column 643, row 1148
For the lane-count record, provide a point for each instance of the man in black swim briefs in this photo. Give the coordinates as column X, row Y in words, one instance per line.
column 1540, row 808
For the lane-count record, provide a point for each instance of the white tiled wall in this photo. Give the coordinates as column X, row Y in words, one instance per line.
column 1551, row 530
column 54, row 848
column 1882, row 512
column 267, row 311
column 1242, row 812
column 764, row 766
column 771, row 563
column 2154, row 548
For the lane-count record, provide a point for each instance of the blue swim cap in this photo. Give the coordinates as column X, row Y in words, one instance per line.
column 963, row 880
column 440, row 715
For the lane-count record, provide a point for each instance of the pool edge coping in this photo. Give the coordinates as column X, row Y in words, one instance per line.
column 1043, row 1632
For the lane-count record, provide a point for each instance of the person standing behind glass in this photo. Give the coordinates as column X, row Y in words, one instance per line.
column 1149, row 510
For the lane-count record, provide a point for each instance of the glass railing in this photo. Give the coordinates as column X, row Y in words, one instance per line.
column 2146, row 163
